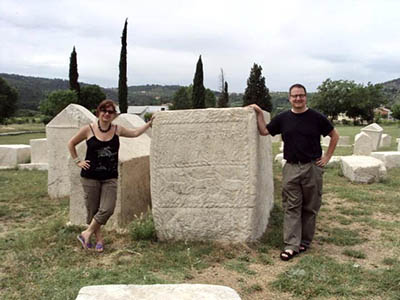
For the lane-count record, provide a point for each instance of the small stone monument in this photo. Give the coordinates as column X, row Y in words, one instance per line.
column 39, row 155
column 375, row 132
column 362, row 144
column 363, row 169
column 12, row 155
column 211, row 175
column 133, row 192
column 386, row 141
column 58, row 132
column 391, row 159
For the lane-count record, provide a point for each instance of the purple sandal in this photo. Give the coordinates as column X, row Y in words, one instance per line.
column 99, row 247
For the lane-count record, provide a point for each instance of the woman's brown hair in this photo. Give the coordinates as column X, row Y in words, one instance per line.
column 104, row 105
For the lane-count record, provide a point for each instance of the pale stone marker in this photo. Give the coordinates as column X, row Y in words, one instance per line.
column 391, row 159
column 133, row 194
column 157, row 292
column 375, row 132
column 39, row 155
column 12, row 155
column 344, row 141
column 363, row 169
column 362, row 144
column 211, row 175
column 58, row 132
column 386, row 140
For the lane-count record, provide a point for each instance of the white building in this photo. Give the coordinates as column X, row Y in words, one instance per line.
column 142, row 110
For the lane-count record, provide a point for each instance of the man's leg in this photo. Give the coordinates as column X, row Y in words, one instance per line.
column 292, row 203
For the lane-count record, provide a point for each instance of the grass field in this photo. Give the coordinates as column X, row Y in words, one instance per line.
column 355, row 254
column 38, row 128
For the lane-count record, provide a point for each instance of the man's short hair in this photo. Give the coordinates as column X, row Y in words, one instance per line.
column 297, row 85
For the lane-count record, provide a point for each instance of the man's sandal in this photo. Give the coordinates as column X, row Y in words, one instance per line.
column 286, row 255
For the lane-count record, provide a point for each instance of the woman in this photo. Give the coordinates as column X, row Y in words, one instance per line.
column 100, row 168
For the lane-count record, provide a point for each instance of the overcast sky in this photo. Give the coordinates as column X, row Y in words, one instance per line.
column 293, row 41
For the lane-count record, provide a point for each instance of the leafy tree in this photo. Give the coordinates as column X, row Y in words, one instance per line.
column 223, row 100
column 8, row 100
column 56, row 101
column 256, row 90
column 73, row 73
column 122, row 83
column 396, row 111
column 210, row 99
column 198, row 95
column 91, row 96
column 182, row 98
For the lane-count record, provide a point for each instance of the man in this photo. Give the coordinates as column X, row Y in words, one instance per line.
column 301, row 128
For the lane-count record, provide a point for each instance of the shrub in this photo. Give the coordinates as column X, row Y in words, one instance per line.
column 142, row 228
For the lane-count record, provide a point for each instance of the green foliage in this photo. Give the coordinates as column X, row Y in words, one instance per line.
column 142, row 228
column 182, row 99
column 199, row 93
column 8, row 100
column 57, row 101
column 122, row 83
column 91, row 96
column 223, row 99
column 256, row 90
column 73, row 73
column 396, row 111
column 354, row 253
column 210, row 99
column 147, row 116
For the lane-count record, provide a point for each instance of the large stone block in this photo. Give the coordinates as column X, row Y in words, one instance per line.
column 375, row 132
column 131, row 121
column 34, row 166
column 363, row 169
column 133, row 193
column 386, row 140
column 58, row 132
column 391, row 159
column 157, row 292
column 12, row 155
column 344, row 141
column 362, row 144
column 39, row 152
column 211, row 175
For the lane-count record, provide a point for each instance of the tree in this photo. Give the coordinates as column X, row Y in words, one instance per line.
column 396, row 111
column 122, row 83
column 8, row 100
column 223, row 100
column 73, row 73
column 56, row 101
column 91, row 96
column 256, row 90
column 182, row 99
column 198, row 95
column 210, row 99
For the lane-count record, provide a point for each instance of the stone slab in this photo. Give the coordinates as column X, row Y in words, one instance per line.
column 157, row 292
column 363, row 144
column 391, row 159
column 344, row 141
column 211, row 175
column 375, row 132
column 386, row 141
column 39, row 152
column 133, row 193
column 34, row 166
column 363, row 169
column 12, row 155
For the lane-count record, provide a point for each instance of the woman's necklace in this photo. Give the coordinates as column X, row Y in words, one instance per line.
column 103, row 130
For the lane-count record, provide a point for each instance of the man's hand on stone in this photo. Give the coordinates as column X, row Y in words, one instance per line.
column 323, row 161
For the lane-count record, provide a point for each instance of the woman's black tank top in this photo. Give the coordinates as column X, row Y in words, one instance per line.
column 103, row 157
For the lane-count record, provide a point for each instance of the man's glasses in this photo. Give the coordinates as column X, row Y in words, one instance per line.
column 299, row 95
column 110, row 112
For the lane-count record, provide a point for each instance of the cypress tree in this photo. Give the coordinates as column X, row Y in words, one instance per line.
column 122, row 83
column 73, row 73
column 223, row 100
column 256, row 91
column 198, row 94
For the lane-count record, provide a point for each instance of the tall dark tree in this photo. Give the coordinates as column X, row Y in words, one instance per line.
column 198, row 95
column 256, row 90
column 122, row 83
column 8, row 100
column 91, row 96
column 223, row 100
column 73, row 73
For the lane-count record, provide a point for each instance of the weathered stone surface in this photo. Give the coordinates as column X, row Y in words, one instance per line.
column 279, row 158
column 386, row 140
column 157, row 292
column 12, row 155
column 58, row 132
column 133, row 195
column 211, row 175
column 344, row 141
column 391, row 159
column 375, row 132
column 363, row 169
column 131, row 121
column 34, row 166
column 362, row 144
column 39, row 152
column 281, row 146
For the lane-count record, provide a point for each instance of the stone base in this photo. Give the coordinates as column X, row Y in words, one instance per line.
column 12, row 155
column 391, row 159
column 157, row 292
column 363, row 169
column 34, row 166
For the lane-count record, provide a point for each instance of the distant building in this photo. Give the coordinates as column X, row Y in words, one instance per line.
column 142, row 110
column 384, row 112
